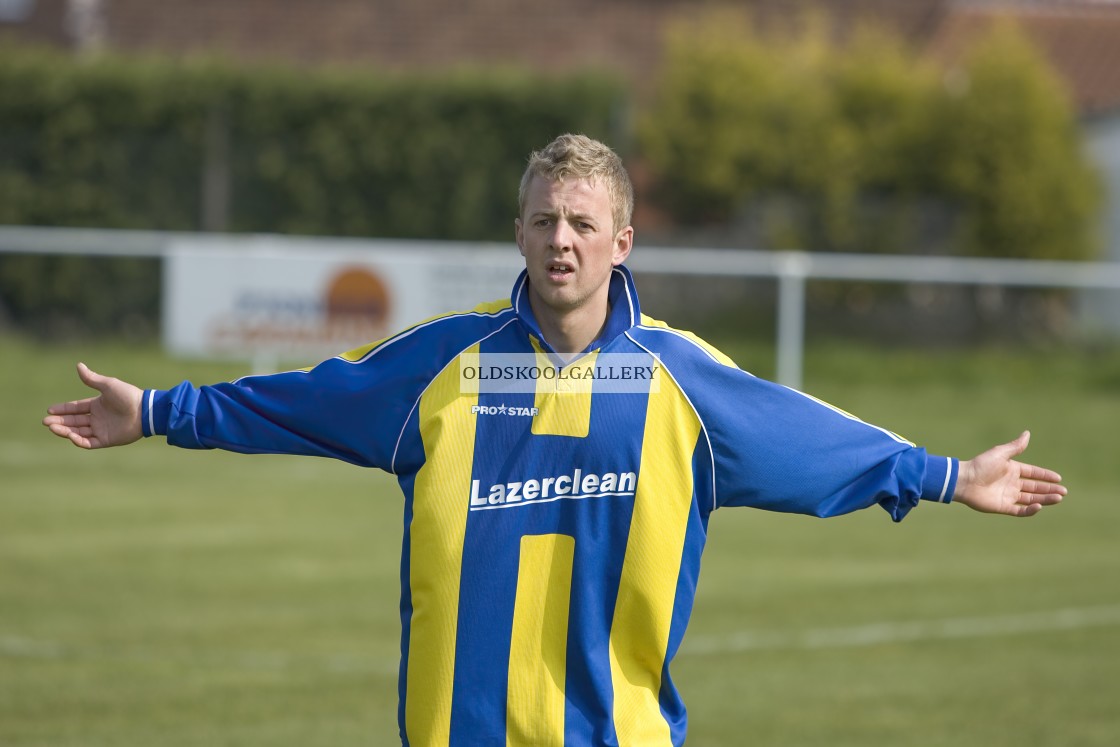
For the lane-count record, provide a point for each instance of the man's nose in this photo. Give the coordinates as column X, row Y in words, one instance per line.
column 562, row 236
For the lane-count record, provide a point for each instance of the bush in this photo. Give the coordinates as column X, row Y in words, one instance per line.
column 1009, row 153
column 123, row 142
column 866, row 147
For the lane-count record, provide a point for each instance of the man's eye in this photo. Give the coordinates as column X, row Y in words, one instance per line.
column 543, row 222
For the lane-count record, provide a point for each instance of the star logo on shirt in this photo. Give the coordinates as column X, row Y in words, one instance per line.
column 503, row 409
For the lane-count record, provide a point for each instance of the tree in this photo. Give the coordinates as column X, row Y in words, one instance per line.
column 856, row 134
column 1011, row 155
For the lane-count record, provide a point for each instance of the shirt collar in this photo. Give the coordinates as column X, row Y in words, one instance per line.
column 624, row 309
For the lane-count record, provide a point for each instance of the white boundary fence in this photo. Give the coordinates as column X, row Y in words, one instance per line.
column 791, row 270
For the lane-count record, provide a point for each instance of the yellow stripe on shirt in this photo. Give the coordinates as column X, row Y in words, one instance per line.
column 703, row 344
column 647, row 591
column 439, row 523
column 564, row 402
column 357, row 354
column 539, row 643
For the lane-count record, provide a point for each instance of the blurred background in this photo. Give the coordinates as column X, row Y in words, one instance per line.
column 201, row 189
column 924, row 127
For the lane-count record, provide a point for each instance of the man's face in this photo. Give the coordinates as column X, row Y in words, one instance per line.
column 567, row 236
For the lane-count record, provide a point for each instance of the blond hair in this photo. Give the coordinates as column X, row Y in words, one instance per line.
column 579, row 157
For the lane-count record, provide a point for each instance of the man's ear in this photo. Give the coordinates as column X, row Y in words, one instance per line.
column 517, row 236
column 623, row 243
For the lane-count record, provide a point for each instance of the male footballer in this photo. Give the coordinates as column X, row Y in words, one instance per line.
column 560, row 455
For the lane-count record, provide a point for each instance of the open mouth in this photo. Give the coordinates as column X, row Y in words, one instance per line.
column 558, row 270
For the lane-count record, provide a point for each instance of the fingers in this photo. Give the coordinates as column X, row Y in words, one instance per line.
column 1034, row 494
column 1037, row 487
column 77, row 407
column 73, row 420
column 91, row 379
column 82, row 441
column 1023, row 509
column 57, row 428
column 1035, row 499
column 81, row 436
column 77, row 420
column 1039, row 475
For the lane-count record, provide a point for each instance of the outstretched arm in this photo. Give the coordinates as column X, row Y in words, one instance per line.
column 994, row 482
column 110, row 419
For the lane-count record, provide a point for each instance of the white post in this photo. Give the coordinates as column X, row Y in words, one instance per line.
column 792, row 269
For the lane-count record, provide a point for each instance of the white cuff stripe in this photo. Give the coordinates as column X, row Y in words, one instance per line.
column 948, row 474
column 151, row 413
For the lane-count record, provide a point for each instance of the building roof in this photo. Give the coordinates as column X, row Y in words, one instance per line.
column 1081, row 40
column 1080, row 37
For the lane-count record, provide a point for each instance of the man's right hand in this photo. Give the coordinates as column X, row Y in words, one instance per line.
column 110, row 419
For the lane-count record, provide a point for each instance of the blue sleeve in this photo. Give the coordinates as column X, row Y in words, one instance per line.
column 785, row 451
column 353, row 407
column 778, row 449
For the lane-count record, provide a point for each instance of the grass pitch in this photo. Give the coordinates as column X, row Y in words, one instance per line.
column 151, row 595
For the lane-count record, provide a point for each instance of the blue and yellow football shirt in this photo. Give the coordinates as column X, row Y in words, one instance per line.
column 553, row 531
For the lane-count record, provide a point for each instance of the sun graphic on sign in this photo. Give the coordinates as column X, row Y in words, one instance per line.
column 357, row 298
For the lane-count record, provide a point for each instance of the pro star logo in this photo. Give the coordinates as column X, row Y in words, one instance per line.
column 502, row 409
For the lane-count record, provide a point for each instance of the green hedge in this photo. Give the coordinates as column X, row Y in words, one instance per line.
column 867, row 147
column 129, row 143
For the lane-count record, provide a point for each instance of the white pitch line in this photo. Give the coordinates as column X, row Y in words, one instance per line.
column 871, row 634
column 11, row 645
column 874, row 634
